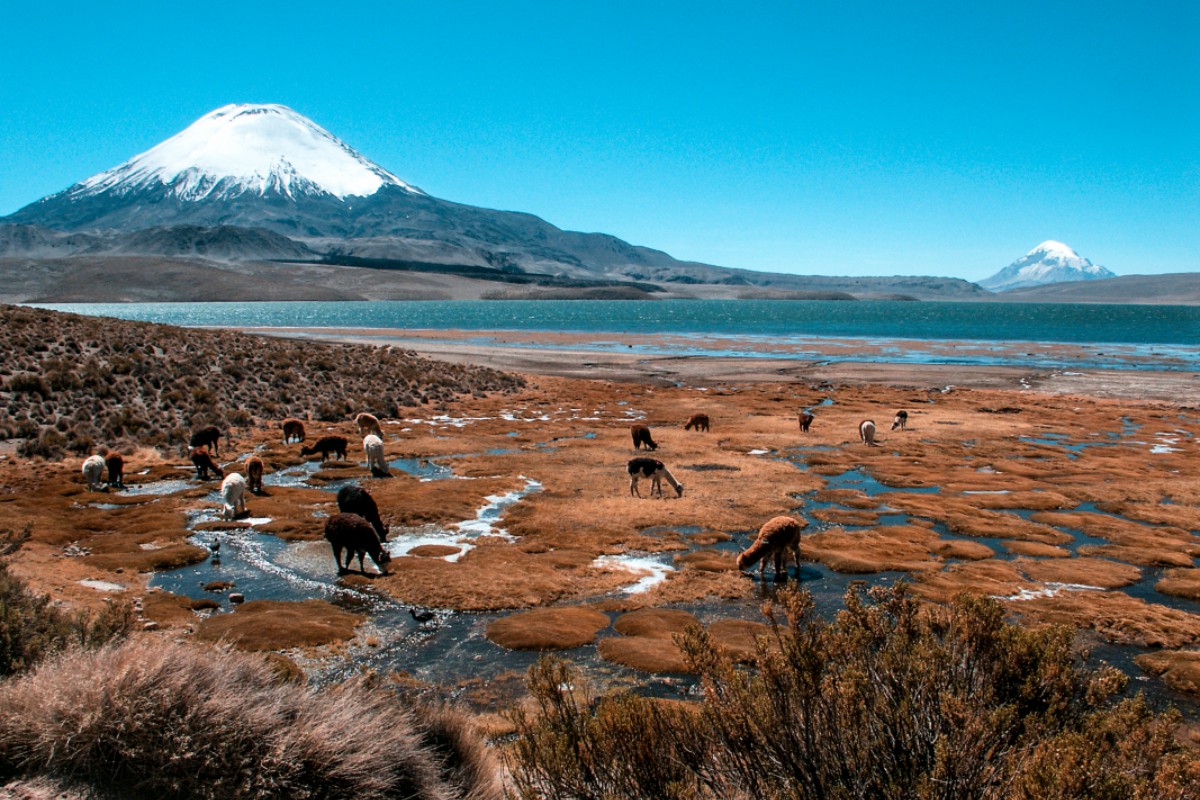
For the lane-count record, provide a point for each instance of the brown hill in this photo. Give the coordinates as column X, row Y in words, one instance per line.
column 70, row 382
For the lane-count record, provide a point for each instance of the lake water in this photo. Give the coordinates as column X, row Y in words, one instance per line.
column 1168, row 337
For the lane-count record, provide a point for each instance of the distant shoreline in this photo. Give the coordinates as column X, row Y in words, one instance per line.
column 565, row 355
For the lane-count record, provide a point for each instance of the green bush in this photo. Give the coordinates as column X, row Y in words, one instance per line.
column 892, row 699
column 31, row 628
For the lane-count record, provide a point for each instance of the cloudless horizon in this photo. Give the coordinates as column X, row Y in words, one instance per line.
column 833, row 139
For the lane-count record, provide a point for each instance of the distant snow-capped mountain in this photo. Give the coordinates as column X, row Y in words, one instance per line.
column 246, row 149
column 1049, row 262
column 262, row 182
column 267, row 167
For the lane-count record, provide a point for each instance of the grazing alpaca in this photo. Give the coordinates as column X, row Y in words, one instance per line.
column 357, row 500
column 206, row 437
column 866, row 432
column 697, row 421
column 354, row 534
column 373, row 446
column 641, row 436
column 93, row 470
column 653, row 469
column 368, row 423
column 901, row 420
column 204, row 464
column 254, row 473
column 293, row 430
column 805, row 419
column 233, row 494
column 326, row 445
column 775, row 538
column 116, row 469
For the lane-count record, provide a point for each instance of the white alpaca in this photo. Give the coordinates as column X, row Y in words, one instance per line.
column 373, row 446
column 93, row 469
column 233, row 493
column 655, row 470
column 866, row 432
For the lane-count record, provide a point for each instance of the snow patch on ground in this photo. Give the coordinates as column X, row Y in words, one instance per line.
column 652, row 572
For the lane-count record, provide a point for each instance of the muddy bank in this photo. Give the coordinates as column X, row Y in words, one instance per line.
column 629, row 357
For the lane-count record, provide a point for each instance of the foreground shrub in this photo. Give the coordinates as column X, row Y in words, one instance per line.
column 891, row 700
column 31, row 628
column 160, row 720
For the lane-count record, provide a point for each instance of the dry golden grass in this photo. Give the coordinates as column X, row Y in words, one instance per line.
column 277, row 625
column 157, row 719
column 548, row 628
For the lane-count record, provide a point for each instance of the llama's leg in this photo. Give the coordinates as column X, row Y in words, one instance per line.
column 633, row 486
column 780, row 565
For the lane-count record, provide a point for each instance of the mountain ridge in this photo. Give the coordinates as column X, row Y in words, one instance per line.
column 189, row 182
column 1049, row 262
column 263, row 184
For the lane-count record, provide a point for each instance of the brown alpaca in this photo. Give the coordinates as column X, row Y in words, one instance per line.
column 901, row 420
column 326, row 445
column 368, row 423
column 776, row 538
column 354, row 535
column 254, row 474
column 866, row 432
column 641, row 436
column 116, row 469
column 697, row 421
column 293, row 430
column 206, row 437
column 357, row 500
column 805, row 419
column 204, row 464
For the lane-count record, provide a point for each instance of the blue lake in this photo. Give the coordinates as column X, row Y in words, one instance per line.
column 1168, row 336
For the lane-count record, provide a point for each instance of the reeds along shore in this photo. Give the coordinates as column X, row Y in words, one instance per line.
column 1054, row 505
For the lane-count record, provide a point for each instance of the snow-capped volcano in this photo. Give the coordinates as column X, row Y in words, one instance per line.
column 1049, row 262
column 246, row 149
column 263, row 184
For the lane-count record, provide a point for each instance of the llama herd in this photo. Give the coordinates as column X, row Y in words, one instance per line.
column 779, row 536
column 357, row 530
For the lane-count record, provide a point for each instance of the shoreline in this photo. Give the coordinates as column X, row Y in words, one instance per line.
column 649, row 359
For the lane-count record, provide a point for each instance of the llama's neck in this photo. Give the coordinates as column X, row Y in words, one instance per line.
column 666, row 473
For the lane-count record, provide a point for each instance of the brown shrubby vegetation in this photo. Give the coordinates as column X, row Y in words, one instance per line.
column 68, row 382
column 893, row 699
column 31, row 628
column 159, row 720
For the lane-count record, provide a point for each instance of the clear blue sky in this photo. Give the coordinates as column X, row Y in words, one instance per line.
column 818, row 138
